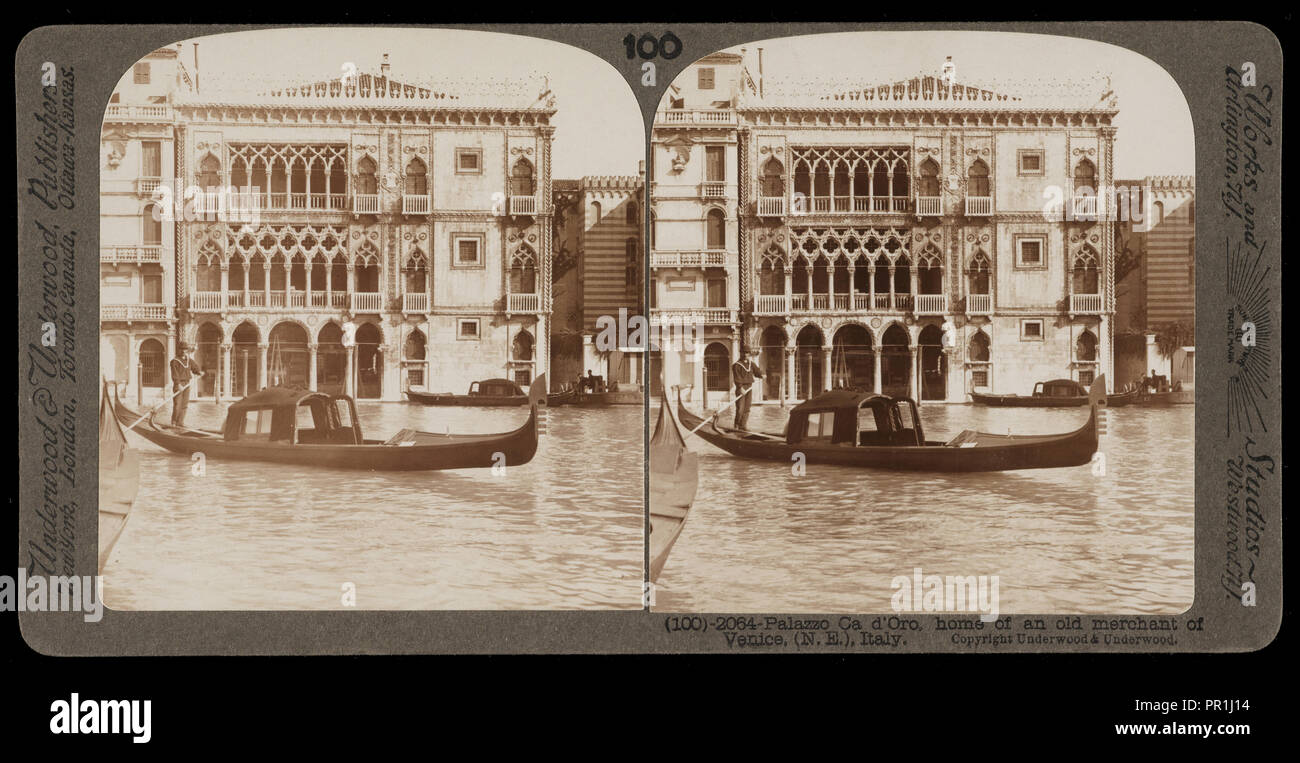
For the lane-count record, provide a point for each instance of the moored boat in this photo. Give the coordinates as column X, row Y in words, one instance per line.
column 119, row 479
column 674, row 478
column 1057, row 393
column 855, row 428
column 297, row 426
column 489, row 392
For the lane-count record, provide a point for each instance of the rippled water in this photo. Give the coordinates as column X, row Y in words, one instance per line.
column 1062, row 540
column 563, row 531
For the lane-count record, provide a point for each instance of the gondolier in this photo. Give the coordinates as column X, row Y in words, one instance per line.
column 184, row 370
column 743, row 374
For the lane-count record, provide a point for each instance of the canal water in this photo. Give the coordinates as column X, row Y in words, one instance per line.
column 561, row 532
column 760, row 539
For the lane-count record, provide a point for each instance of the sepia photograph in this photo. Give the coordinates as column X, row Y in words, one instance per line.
column 353, row 284
column 926, row 321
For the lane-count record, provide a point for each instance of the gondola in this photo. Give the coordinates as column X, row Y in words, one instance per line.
column 119, row 479
column 855, row 428
column 630, row 395
column 563, row 397
column 1137, row 395
column 489, row 392
column 267, row 426
column 1057, row 393
column 674, row 477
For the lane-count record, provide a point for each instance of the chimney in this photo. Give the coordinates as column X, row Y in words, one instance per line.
column 383, row 67
column 949, row 72
column 640, row 168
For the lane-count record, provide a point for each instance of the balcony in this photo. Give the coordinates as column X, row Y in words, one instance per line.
column 855, row 302
column 524, row 303
column 145, row 187
column 366, row 301
column 210, row 203
column 770, row 304
column 713, row 189
column 137, row 312
column 415, row 204
column 138, row 113
column 707, row 316
column 870, row 205
column 365, row 203
column 979, row 304
column 1083, row 207
column 931, row 304
column 771, row 206
column 1085, row 304
column 979, row 206
column 415, row 303
column 523, row 205
column 709, row 259
column 696, row 117
column 207, row 301
column 929, row 206
column 131, row 254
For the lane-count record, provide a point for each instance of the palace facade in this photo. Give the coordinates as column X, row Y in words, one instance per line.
column 363, row 234
column 925, row 237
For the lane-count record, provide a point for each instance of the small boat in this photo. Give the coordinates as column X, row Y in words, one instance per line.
column 1057, row 393
column 674, row 477
column 298, row 426
column 855, row 428
column 563, row 397
column 119, row 479
column 1140, row 396
column 489, row 392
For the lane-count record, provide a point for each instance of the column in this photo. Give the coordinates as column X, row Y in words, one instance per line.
column 875, row 379
column 826, row 368
column 913, row 389
column 227, row 361
column 225, row 283
column 789, row 283
column 348, row 387
column 262, row 379
column 311, row 365
column 790, row 390
column 871, row 290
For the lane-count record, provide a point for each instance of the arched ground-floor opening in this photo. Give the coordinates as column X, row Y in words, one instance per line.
column 153, row 364
column 771, row 348
column 287, row 362
column 934, row 364
column 331, row 360
column 208, row 354
column 895, row 362
column 808, row 362
column 370, row 362
column 853, row 361
column 717, row 371
column 244, row 361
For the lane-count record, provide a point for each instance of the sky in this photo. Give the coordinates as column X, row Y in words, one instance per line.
column 1154, row 125
column 599, row 129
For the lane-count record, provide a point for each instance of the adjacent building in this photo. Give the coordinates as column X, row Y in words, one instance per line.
column 927, row 237
column 364, row 234
column 1155, row 279
column 138, row 318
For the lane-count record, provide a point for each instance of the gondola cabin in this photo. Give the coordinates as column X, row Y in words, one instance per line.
column 855, row 418
column 1060, row 388
column 496, row 388
column 294, row 417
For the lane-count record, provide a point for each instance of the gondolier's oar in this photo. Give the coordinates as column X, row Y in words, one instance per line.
column 154, row 409
column 730, row 403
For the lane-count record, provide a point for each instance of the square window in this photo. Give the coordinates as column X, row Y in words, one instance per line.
column 1031, row 252
column 523, row 376
column 469, row 161
column 1030, row 161
column 705, row 78
column 140, row 74
column 1085, row 378
column 979, row 378
column 1031, row 331
column 467, row 251
column 467, row 328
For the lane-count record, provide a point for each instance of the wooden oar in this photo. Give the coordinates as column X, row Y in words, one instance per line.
column 154, row 409
column 730, row 403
